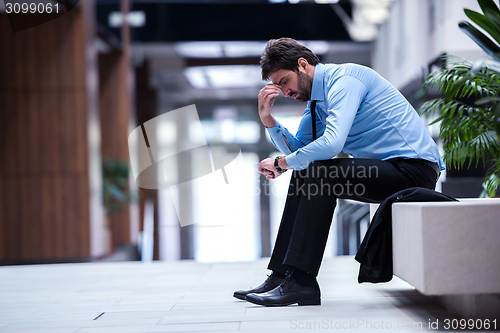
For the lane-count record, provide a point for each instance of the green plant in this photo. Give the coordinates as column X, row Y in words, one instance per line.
column 115, row 190
column 489, row 21
column 467, row 125
column 471, row 130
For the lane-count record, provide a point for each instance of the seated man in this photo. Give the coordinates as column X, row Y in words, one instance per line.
column 350, row 108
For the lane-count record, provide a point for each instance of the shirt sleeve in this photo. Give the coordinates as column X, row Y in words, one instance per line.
column 277, row 132
column 344, row 96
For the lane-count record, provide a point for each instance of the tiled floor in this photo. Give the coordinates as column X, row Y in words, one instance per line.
column 187, row 296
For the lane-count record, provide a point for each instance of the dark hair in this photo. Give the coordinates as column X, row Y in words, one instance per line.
column 283, row 53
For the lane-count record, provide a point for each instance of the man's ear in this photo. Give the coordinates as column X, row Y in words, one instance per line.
column 302, row 64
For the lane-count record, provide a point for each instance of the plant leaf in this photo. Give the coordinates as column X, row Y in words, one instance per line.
column 485, row 23
column 492, row 180
column 488, row 4
column 487, row 99
column 484, row 42
column 497, row 121
column 457, row 85
column 494, row 18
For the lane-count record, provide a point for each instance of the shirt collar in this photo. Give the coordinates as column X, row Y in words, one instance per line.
column 317, row 92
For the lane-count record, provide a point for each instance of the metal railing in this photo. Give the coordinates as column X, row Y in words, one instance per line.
column 353, row 219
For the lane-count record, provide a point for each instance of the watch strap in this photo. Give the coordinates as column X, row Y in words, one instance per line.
column 276, row 165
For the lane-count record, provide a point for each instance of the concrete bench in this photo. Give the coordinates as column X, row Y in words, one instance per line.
column 450, row 250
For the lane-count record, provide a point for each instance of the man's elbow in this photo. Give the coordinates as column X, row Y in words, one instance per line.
column 332, row 153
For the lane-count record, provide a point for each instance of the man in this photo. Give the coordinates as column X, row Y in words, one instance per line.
column 355, row 110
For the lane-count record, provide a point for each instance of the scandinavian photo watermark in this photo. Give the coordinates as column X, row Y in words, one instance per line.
column 171, row 152
column 337, row 180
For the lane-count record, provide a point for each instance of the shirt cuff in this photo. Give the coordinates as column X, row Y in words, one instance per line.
column 293, row 162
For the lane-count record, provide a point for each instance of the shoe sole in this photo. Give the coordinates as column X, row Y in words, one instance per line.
column 242, row 297
column 300, row 303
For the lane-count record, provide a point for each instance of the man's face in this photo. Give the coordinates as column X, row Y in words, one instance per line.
column 296, row 85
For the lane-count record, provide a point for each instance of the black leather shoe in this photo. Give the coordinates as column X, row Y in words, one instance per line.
column 287, row 293
column 271, row 282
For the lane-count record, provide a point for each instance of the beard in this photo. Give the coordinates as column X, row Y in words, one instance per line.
column 304, row 87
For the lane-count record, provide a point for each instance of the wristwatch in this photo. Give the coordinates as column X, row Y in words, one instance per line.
column 276, row 165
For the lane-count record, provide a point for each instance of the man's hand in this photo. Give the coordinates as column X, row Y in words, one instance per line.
column 266, row 101
column 266, row 167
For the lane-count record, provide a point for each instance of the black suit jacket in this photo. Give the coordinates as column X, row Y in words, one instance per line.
column 375, row 252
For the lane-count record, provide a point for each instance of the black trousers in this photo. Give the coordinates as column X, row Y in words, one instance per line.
column 312, row 197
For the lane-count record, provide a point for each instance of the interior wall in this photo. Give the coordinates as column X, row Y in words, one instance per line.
column 418, row 32
column 45, row 169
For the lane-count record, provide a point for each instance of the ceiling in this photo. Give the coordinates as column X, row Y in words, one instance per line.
column 237, row 20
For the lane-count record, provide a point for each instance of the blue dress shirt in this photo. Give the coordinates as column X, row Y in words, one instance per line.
column 359, row 112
